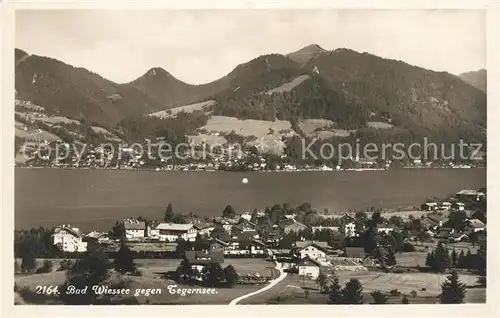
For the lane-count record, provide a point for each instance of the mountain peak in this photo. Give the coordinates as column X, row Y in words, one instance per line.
column 477, row 78
column 157, row 71
column 306, row 53
column 313, row 48
column 20, row 55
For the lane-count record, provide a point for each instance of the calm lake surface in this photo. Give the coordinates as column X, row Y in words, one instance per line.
column 95, row 199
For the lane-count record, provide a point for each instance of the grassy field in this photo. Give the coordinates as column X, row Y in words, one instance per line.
column 152, row 278
column 293, row 289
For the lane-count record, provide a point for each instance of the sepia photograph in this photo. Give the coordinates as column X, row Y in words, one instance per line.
column 332, row 156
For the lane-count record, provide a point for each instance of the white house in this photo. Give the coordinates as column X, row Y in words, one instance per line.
column 312, row 251
column 350, row 229
column 429, row 206
column 134, row 229
column 473, row 226
column 384, row 228
column 445, row 205
column 322, row 228
column 172, row 231
column 69, row 239
column 99, row 237
column 247, row 216
column 309, row 268
column 469, row 195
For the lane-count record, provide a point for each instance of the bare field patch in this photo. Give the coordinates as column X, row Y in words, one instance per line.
column 379, row 125
column 208, row 139
column 322, row 129
column 294, row 290
column 289, row 86
column 246, row 127
column 266, row 132
column 411, row 259
column 42, row 135
column 45, row 279
column 202, row 106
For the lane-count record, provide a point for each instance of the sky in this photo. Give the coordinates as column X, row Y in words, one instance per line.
column 201, row 46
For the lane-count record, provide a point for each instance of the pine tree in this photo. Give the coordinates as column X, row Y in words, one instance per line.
column 124, row 261
column 454, row 258
column 441, row 258
column 213, row 275
column 461, row 260
column 379, row 297
column 28, row 262
column 452, row 291
column 118, row 231
column 169, row 214
column 390, row 258
column 335, row 296
column 405, row 300
column 351, row 294
column 254, row 216
column 468, row 260
column 430, row 260
column 231, row 275
column 229, row 212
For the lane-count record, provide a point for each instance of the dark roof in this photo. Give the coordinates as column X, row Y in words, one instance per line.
column 285, row 222
column 203, row 257
column 134, row 225
column 247, row 236
column 429, row 222
column 435, row 217
column 355, row 252
column 70, row 230
column 318, row 244
column 247, row 222
column 208, row 243
column 201, row 225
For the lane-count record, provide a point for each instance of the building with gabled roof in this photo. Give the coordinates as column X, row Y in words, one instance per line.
column 69, row 239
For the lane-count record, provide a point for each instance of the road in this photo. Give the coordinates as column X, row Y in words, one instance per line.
column 267, row 287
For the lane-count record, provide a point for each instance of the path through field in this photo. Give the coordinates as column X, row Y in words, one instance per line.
column 271, row 285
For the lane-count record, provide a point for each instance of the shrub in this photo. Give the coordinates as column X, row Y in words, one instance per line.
column 46, row 267
column 423, row 289
column 32, row 297
column 395, row 292
column 136, row 272
column 408, row 247
column 17, row 267
column 413, row 294
column 65, row 265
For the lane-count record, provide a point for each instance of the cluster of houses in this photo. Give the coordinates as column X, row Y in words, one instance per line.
column 239, row 237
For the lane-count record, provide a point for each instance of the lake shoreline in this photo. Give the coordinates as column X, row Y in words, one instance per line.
column 259, row 171
column 95, row 198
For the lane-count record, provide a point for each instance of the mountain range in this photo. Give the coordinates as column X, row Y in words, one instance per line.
column 475, row 78
column 346, row 87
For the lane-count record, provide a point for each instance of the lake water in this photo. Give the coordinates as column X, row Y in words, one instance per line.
column 95, row 199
